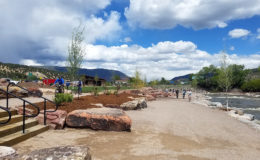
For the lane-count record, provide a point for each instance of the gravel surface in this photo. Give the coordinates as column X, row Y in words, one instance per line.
column 168, row 129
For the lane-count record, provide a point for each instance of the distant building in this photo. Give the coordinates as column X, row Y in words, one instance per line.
column 122, row 81
column 90, row 81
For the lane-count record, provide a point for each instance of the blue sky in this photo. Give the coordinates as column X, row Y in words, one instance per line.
column 159, row 38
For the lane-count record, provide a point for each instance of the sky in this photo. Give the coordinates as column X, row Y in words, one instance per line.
column 159, row 38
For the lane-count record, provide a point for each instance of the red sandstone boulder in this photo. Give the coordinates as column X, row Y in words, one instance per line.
column 109, row 119
column 56, row 120
column 150, row 97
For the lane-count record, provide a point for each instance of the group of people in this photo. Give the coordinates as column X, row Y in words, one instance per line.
column 176, row 93
column 60, row 81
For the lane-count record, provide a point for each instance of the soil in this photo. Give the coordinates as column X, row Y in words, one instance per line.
column 86, row 102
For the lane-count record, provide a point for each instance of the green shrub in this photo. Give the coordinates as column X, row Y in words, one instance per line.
column 251, row 86
column 95, row 91
column 63, row 97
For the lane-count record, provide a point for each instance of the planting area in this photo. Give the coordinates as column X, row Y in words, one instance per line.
column 86, row 102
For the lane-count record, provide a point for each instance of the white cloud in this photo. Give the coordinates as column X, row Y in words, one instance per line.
column 238, row 33
column 43, row 28
column 126, row 40
column 165, row 59
column 30, row 62
column 165, row 14
column 232, row 48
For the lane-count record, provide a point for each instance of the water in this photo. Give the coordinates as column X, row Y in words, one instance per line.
column 248, row 104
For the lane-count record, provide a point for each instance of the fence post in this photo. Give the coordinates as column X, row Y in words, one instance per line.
column 44, row 112
column 23, row 117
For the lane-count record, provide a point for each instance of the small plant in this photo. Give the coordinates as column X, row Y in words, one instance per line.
column 63, row 97
column 116, row 92
column 108, row 92
column 95, row 91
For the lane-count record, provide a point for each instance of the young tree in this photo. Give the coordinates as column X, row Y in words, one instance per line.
column 225, row 75
column 76, row 52
column 96, row 78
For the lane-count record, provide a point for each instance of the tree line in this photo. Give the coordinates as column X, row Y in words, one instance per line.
column 213, row 78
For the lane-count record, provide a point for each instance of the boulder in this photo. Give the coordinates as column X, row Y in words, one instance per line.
column 150, row 98
column 34, row 91
column 7, row 152
column 112, row 105
column 99, row 105
column 109, row 119
column 56, row 120
column 249, row 117
column 138, row 103
column 60, row 153
column 239, row 112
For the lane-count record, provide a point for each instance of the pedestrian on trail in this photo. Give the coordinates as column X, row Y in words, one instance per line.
column 79, row 87
column 177, row 93
column 183, row 93
column 189, row 94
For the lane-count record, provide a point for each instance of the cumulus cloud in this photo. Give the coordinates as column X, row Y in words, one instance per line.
column 42, row 29
column 238, row 33
column 164, row 59
column 30, row 62
column 158, row 14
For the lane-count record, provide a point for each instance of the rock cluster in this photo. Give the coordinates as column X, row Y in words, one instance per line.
column 110, row 119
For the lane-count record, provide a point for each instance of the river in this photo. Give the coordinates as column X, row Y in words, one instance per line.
column 248, row 104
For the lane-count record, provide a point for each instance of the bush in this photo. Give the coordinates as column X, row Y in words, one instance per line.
column 95, row 91
column 251, row 86
column 63, row 97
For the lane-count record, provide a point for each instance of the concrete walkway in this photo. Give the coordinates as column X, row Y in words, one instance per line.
column 168, row 129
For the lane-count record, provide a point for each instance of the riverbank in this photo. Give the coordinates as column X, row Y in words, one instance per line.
column 167, row 129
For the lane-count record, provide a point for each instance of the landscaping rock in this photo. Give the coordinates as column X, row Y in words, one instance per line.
column 249, row 117
column 109, row 119
column 138, row 103
column 36, row 92
column 7, row 152
column 239, row 112
column 56, row 120
column 112, row 105
column 97, row 104
column 60, row 153
column 150, row 98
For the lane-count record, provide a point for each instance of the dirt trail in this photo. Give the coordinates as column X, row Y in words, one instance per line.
column 167, row 130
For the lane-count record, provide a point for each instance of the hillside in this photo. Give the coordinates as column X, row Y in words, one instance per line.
column 17, row 71
column 183, row 78
column 101, row 73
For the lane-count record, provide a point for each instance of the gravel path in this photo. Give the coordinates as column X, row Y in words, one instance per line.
column 168, row 129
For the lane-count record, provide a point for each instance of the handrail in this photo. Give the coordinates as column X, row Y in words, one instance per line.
column 24, row 115
column 9, row 115
column 45, row 100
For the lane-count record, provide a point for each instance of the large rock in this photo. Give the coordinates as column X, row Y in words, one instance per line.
column 150, row 97
column 7, row 152
column 138, row 103
column 35, row 91
column 56, row 120
column 110, row 119
column 59, row 153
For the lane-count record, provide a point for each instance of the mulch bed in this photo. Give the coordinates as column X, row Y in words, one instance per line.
column 84, row 102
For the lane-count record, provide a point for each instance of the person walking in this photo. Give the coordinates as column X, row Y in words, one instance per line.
column 177, row 93
column 189, row 95
column 183, row 93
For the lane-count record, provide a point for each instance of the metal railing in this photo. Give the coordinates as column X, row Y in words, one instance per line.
column 45, row 100
column 24, row 101
column 9, row 115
